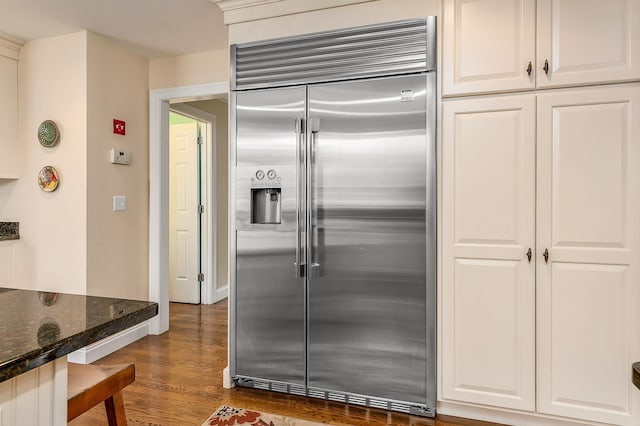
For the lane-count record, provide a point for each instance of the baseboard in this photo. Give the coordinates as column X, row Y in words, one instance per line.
column 507, row 417
column 106, row 346
column 227, row 383
column 221, row 293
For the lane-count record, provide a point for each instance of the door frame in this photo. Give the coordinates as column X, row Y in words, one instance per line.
column 207, row 182
column 159, row 101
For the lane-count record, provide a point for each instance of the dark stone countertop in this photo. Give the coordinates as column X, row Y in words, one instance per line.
column 9, row 231
column 38, row 327
column 636, row 374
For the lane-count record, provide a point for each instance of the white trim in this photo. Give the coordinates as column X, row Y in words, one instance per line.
column 209, row 191
column 159, row 100
column 221, row 294
column 237, row 11
column 505, row 416
column 10, row 48
column 107, row 346
column 227, row 383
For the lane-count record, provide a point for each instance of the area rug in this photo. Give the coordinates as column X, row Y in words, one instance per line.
column 233, row 416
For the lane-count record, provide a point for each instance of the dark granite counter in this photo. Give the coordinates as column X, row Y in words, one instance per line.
column 9, row 231
column 38, row 327
column 636, row 374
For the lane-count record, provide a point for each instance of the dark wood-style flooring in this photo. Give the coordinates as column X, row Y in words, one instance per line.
column 179, row 381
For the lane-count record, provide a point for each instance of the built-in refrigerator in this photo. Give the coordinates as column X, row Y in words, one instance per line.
column 333, row 236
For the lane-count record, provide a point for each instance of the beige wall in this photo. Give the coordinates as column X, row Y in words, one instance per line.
column 117, row 242
column 51, row 254
column 328, row 19
column 220, row 110
column 189, row 70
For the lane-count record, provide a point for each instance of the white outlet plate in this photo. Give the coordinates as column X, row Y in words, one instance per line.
column 119, row 204
column 120, row 157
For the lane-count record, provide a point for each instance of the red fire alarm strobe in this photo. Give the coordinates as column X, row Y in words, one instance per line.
column 119, row 127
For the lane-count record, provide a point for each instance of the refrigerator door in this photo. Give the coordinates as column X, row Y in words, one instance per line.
column 269, row 299
column 367, row 290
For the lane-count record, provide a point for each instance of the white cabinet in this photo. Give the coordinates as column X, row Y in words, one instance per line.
column 7, row 263
column 488, row 296
column 488, row 44
column 9, row 164
column 588, row 41
column 588, row 290
column 559, row 172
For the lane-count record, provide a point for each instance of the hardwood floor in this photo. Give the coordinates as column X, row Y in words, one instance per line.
column 179, row 381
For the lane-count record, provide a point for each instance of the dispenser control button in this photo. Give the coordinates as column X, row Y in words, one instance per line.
column 271, row 174
column 260, row 174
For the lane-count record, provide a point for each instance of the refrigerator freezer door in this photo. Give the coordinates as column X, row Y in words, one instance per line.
column 269, row 300
column 367, row 294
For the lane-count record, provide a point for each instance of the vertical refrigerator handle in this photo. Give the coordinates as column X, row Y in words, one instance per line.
column 300, row 191
column 313, row 130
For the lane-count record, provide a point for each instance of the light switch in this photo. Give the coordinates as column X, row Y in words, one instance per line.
column 119, row 203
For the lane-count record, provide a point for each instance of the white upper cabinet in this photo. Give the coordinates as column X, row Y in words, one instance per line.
column 587, row 41
column 488, row 44
column 9, row 164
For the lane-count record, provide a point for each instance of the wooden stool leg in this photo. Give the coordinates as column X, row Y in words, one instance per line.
column 115, row 410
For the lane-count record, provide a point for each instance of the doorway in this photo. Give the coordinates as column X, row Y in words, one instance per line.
column 190, row 141
column 161, row 102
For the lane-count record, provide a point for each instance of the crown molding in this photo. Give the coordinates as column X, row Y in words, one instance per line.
column 226, row 5
column 10, row 46
column 237, row 11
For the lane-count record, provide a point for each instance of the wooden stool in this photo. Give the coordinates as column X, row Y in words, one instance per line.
column 89, row 385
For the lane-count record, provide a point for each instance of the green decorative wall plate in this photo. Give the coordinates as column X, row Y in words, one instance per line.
column 48, row 134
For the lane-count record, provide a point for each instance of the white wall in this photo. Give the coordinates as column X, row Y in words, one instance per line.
column 51, row 255
column 117, row 242
column 189, row 70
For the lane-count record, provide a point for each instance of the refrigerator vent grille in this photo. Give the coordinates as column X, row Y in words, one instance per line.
column 334, row 396
column 279, row 387
column 357, row 400
column 261, row 384
column 376, row 403
column 400, row 407
column 394, row 48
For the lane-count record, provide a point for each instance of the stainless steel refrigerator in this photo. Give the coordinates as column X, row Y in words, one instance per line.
column 333, row 263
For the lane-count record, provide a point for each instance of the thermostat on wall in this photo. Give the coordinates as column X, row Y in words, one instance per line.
column 120, row 157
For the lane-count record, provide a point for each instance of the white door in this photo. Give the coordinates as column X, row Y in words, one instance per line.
column 488, row 45
column 488, row 293
column 588, row 221
column 588, row 41
column 184, row 234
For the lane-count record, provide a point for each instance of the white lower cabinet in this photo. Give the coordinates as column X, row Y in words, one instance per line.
column 557, row 172
column 488, row 296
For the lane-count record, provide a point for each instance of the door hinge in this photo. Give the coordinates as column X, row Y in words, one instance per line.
column 201, row 209
column 200, row 277
column 199, row 140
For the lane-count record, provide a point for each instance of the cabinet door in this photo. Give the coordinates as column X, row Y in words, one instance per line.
column 488, row 294
column 588, row 290
column 9, row 118
column 588, row 41
column 487, row 46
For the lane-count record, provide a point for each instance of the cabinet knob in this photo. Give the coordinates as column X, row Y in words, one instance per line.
column 529, row 253
column 546, row 67
column 529, row 69
column 546, row 255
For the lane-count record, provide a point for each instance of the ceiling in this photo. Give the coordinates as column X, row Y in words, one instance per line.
column 153, row 28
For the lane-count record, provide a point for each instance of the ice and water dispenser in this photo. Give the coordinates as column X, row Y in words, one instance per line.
column 266, row 198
